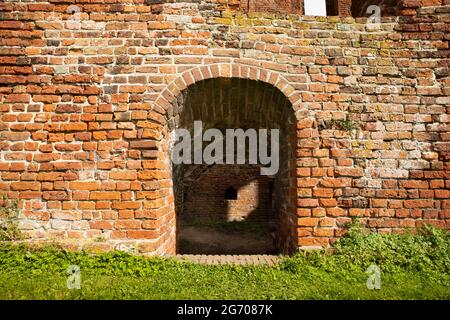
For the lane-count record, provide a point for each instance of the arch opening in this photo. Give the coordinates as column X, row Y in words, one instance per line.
column 232, row 208
column 231, row 193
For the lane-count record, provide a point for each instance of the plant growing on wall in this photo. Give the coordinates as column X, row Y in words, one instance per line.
column 9, row 219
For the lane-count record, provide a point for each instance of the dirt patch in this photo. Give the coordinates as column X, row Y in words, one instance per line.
column 210, row 240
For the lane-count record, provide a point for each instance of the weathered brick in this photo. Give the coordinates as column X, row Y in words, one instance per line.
column 87, row 122
column 141, row 234
column 88, row 185
column 103, row 225
column 105, row 195
column 33, row 186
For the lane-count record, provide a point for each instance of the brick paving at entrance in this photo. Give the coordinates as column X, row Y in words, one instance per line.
column 256, row 260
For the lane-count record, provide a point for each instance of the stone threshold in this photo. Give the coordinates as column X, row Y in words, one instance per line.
column 254, row 260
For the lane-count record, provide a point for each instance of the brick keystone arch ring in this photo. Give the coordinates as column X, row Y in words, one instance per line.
column 226, row 70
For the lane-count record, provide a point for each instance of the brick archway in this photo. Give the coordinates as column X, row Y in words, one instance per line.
column 225, row 70
column 159, row 172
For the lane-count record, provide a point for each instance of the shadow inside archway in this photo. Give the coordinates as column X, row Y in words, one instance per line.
column 254, row 223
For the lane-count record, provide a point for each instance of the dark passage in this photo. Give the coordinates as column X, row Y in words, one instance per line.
column 232, row 208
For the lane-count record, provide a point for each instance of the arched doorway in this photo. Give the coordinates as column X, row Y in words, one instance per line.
column 232, row 208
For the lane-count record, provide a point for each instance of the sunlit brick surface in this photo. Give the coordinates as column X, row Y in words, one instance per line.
column 88, row 100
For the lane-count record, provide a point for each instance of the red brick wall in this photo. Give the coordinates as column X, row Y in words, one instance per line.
column 410, row 7
column 345, row 8
column 205, row 197
column 86, row 114
column 272, row 6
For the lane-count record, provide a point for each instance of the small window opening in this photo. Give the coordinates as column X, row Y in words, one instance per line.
column 315, row 7
column 231, row 194
column 332, row 8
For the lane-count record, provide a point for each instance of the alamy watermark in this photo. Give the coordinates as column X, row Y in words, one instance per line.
column 127, row 248
column 374, row 280
column 74, row 278
column 228, row 148
column 374, row 21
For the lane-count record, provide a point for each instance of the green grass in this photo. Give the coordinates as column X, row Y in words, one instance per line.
column 201, row 282
column 412, row 267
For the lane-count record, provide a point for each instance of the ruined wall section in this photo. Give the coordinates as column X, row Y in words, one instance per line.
column 86, row 105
